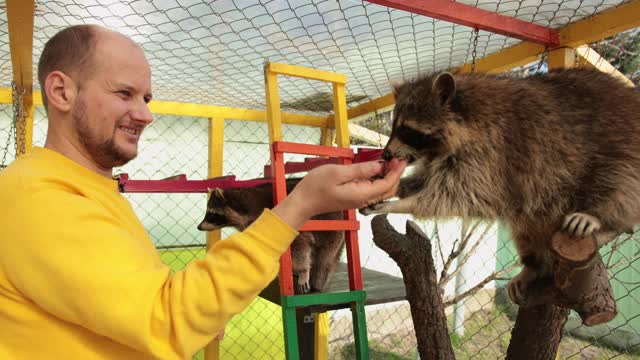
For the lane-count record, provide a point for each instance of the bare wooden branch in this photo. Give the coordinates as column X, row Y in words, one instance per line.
column 475, row 247
column 438, row 241
column 579, row 281
column 451, row 300
column 444, row 274
column 537, row 333
column 412, row 253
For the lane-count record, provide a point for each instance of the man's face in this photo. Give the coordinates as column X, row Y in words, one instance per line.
column 111, row 111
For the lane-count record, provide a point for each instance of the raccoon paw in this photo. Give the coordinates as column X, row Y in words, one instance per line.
column 517, row 287
column 304, row 286
column 580, row 224
column 372, row 209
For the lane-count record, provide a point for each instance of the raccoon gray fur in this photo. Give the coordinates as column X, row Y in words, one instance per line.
column 314, row 254
column 546, row 153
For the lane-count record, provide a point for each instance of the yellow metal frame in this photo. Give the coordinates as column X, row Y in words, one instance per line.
column 202, row 110
column 589, row 57
column 20, row 15
column 582, row 32
column 562, row 58
column 275, row 119
column 340, row 122
column 216, row 156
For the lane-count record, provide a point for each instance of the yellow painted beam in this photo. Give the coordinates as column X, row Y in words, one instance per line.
column 562, row 58
column 5, row 96
column 307, row 73
column 366, row 108
column 216, row 147
column 37, row 98
column 603, row 25
column 326, row 136
column 273, row 106
column 20, row 23
column 202, row 110
column 340, row 112
column 230, row 113
column 589, row 56
column 506, row 59
column 369, row 136
column 321, row 337
column 371, row 106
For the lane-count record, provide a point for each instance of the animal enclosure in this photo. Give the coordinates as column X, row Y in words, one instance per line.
column 207, row 61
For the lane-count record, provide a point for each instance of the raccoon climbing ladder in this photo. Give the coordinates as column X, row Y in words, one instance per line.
column 355, row 298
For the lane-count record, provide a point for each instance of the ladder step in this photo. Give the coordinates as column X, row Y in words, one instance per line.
column 333, row 298
column 330, row 225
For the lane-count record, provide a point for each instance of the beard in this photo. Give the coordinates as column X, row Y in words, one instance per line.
column 105, row 153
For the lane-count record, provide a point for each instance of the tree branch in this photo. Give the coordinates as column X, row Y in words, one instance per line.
column 451, row 300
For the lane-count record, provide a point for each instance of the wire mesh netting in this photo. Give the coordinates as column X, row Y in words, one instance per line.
column 213, row 52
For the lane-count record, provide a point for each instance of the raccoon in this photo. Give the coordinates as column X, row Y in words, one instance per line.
column 546, row 153
column 314, row 254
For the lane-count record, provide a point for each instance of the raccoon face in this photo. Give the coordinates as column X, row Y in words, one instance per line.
column 421, row 119
column 221, row 213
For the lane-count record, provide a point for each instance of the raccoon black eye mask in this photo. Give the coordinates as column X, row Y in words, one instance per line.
column 416, row 139
column 217, row 219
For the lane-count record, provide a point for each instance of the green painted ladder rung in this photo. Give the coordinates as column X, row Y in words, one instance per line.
column 356, row 297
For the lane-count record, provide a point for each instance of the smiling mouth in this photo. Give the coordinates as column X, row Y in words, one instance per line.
column 129, row 130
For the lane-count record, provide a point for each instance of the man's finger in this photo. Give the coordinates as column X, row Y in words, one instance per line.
column 360, row 171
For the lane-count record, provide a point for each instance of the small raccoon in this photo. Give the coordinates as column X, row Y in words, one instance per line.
column 545, row 153
column 314, row 254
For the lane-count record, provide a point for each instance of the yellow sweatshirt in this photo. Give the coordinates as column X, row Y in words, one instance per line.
column 81, row 279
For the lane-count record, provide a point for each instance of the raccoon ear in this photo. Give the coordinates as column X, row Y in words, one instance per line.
column 216, row 192
column 395, row 85
column 445, row 86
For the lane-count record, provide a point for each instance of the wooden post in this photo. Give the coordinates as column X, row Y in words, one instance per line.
column 20, row 14
column 216, row 146
column 412, row 253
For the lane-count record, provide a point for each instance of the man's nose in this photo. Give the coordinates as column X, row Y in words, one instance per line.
column 142, row 113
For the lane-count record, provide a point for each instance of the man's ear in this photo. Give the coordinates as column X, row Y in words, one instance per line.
column 61, row 91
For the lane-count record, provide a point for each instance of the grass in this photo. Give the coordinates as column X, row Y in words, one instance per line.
column 256, row 333
column 486, row 337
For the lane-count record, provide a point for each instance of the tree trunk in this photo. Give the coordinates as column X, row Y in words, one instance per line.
column 537, row 333
column 412, row 253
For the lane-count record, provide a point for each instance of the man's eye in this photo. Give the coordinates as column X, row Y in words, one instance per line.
column 124, row 93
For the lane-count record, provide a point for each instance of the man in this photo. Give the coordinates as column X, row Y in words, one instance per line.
column 79, row 276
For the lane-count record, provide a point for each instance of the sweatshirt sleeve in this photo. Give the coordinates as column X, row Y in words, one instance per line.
column 76, row 261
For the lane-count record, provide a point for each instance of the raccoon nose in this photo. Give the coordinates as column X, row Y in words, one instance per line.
column 386, row 155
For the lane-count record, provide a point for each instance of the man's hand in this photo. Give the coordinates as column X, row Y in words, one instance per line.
column 332, row 188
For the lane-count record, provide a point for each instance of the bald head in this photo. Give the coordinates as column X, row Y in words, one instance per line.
column 73, row 51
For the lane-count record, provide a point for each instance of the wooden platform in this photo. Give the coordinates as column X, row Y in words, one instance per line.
column 380, row 287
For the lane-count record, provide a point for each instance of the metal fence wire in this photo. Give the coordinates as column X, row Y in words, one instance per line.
column 372, row 45
column 174, row 145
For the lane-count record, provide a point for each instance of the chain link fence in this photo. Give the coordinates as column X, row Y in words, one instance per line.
column 178, row 145
column 212, row 52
